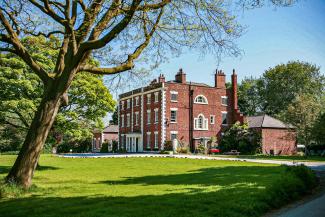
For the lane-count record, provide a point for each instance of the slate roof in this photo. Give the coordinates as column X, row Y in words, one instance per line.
column 265, row 121
column 191, row 83
column 111, row 129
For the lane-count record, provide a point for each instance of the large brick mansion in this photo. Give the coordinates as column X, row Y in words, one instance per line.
column 188, row 111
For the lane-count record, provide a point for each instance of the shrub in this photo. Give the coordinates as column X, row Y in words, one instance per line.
column 182, row 150
column 75, row 146
column 114, row 146
column 168, row 145
column 239, row 137
column 295, row 182
column 201, row 149
column 104, row 148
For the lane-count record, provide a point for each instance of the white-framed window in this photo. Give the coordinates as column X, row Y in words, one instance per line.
column 156, row 139
column 200, row 99
column 201, row 123
column 156, row 115
column 137, row 101
column 173, row 135
column 173, row 96
column 148, row 139
column 224, row 100
column 148, row 98
column 224, row 120
column 122, row 105
column 173, row 115
column 212, row 119
column 136, row 116
column 122, row 120
column 128, row 120
column 148, row 116
column 128, row 103
column 156, row 97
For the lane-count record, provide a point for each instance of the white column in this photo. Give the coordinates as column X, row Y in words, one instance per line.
column 163, row 116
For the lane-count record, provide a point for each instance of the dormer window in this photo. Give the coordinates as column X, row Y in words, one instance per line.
column 200, row 99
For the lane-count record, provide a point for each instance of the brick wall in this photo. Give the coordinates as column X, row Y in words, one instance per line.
column 281, row 141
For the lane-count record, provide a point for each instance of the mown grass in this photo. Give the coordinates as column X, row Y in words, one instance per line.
column 150, row 187
column 283, row 157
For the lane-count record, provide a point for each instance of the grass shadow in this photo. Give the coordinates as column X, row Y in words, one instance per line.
column 5, row 169
column 205, row 177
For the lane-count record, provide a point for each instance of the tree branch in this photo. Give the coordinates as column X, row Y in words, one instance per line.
column 129, row 63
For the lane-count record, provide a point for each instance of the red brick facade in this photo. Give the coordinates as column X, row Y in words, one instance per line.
column 278, row 141
column 191, row 112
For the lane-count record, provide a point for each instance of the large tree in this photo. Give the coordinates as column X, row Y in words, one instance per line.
column 283, row 83
column 123, row 27
column 21, row 93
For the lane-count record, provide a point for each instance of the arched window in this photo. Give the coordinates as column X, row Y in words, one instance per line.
column 200, row 123
column 200, row 99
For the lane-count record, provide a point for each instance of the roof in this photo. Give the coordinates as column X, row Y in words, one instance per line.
column 191, row 83
column 111, row 129
column 265, row 121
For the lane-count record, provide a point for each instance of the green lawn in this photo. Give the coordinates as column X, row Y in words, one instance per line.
column 143, row 187
column 286, row 158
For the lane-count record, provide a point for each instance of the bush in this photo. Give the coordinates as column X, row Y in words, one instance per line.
column 182, row 150
column 201, row 149
column 168, row 146
column 75, row 146
column 295, row 182
column 114, row 146
column 239, row 137
column 104, row 148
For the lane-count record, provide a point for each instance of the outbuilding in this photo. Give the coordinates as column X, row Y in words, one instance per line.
column 277, row 137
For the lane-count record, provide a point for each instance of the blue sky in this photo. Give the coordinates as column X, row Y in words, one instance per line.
column 273, row 36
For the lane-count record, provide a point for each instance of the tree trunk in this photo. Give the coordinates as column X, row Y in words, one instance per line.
column 22, row 171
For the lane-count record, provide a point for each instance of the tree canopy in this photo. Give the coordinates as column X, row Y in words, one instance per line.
column 21, row 93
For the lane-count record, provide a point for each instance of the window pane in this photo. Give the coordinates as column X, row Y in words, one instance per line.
column 224, row 118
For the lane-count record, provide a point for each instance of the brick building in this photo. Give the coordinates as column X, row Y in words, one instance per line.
column 188, row 111
column 277, row 137
column 109, row 134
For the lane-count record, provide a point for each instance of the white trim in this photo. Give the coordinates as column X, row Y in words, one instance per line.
column 156, row 98
column 128, row 120
column 149, row 97
column 205, row 121
column 175, row 93
column 136, row 100
column 173, row 132
column 163, row 117
column 148, row 113
column 123, row 121
column 136, row 115
column 224, row 97
column 224, row 112
column 148, row 133
column 205, row 103
column 141, row 93
column 156, row 119
column 156, row 139
column 214, row 119
column 173, row 109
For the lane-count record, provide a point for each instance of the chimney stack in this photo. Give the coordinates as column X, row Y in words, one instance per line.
column 180, row 77
column 234, row 89
column 161, row 78
column 220, row 79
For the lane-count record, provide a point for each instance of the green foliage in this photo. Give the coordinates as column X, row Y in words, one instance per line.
column 318, row 131
column 82, row 146
column 303, row 113
column 21, row 92
column 295, row 181
column 104, row 148
column 201, row 149
column 168, row 146
column 249, row 98
column 283, row 83
column 97, row 187
column 115, row 117
column 239, row 137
